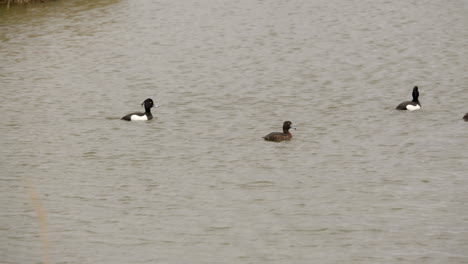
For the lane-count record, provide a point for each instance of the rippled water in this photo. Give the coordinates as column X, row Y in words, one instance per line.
column 359, row 183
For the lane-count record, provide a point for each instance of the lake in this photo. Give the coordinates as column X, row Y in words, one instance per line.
column 359, row 182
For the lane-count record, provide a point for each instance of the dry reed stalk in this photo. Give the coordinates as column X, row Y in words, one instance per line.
column 41, row 218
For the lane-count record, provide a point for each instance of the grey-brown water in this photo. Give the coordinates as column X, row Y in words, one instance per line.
column 360, row 182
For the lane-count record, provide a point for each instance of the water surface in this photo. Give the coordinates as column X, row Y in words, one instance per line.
column 359, row 183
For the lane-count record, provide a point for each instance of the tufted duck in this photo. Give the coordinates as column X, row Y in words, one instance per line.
column 411, row 105
column 148, row 103
column 278, row 136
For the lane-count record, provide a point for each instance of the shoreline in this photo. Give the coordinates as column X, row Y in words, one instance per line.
column 8, row 3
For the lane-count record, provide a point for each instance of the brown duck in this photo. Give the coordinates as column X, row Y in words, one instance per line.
column 278, row 136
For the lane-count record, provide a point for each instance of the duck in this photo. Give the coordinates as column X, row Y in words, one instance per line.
column 278, row 136
column 411, row 105
column 465, row 117
column 138, row 116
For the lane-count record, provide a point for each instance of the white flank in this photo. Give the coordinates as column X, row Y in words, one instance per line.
column 413, row 107
column 138, row 118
